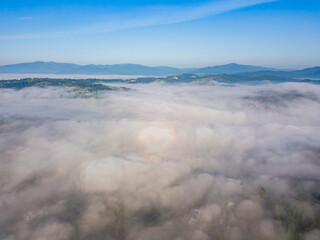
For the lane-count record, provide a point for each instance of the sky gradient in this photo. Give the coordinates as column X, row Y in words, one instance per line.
column 280, row 33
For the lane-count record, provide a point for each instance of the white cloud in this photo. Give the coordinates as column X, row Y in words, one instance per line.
column 172, row 161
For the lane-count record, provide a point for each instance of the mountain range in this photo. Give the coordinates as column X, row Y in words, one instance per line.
column 40, row 67
column 69, row 68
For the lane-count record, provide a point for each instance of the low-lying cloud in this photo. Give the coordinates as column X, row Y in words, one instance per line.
column 161, row 162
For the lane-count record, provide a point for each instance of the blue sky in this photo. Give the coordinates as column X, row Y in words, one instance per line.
column 280, row 33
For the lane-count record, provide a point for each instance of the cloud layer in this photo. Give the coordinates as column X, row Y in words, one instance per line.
column 161, row 162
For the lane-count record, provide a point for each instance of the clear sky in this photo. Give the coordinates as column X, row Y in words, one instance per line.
column 180, row 33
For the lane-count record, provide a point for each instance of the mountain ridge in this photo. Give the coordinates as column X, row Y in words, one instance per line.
column 121, row 69
column 42, row 67
column 70, row 68
column 231, row 68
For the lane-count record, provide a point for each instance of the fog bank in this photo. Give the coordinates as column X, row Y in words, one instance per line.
column 161, row 162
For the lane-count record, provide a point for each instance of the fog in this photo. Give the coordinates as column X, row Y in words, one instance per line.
column 161, row 162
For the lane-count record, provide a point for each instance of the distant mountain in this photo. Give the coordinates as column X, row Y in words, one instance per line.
column 136, row 69
column 39, row 67
column 304, row 73
column 231, row 68
column 68, row 68
column 308, row 72
column 122, row 69
column 130, row 69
